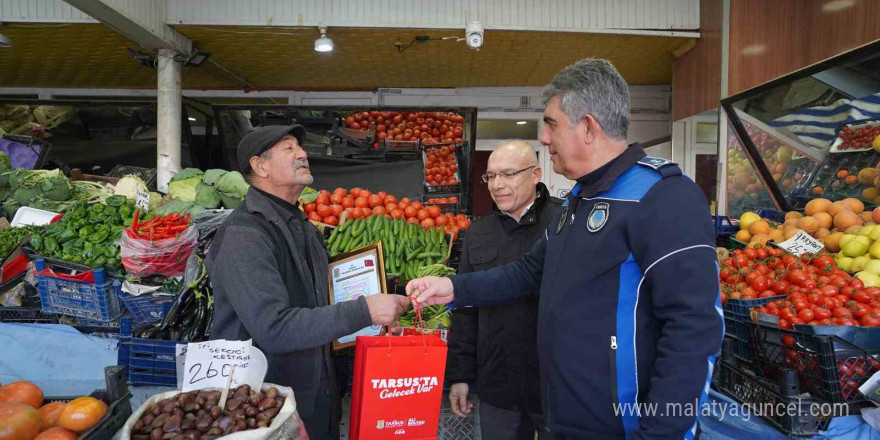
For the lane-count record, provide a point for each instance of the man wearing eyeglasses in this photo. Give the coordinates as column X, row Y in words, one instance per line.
column 495, row 347
column 629, row 315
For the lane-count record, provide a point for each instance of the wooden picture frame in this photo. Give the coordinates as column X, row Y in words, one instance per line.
column 351, row 275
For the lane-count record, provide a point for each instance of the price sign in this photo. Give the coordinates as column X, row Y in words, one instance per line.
column 209, row 365
column 802, row 243
column 142, row 200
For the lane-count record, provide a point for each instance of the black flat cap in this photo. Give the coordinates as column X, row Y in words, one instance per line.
column 261, row 139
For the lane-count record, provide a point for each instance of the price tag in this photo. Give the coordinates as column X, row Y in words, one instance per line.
column 209, row 365
column 801, row 243
column 142, row 200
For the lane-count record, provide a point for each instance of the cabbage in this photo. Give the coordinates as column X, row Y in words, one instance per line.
column 232, row 183
column 179, row 207
column 207, row 196
column 155, row 199
column 230, row 201
column 184, row 189
column 57, row 188
column 26, row 194
column 186, row 173
column 211, row 176
column 129, row 186
column 308, row 195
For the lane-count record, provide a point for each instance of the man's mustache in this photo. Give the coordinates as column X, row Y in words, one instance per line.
column 299, row 164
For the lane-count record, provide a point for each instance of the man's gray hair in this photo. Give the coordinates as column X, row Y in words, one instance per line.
column 592, row 87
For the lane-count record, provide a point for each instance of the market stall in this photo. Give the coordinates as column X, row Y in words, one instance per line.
column 800, row 280
column 107, row 272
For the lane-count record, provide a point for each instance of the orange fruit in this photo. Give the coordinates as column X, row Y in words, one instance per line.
column 817, row 205
column 759, row 227
column 82, row 413
column 855, row 205
column 825, row 220
column 744, row 236
column 847, row 219
column 809, row 224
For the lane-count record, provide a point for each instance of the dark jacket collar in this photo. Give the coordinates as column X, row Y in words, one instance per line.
column 531, row 216
column 270, row 207
column 601, row 179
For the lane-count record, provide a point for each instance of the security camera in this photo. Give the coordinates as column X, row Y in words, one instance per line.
column 474, row 35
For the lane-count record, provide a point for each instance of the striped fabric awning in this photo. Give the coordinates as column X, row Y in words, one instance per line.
column 818, row 126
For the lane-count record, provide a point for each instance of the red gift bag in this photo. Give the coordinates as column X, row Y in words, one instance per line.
column 397, row 387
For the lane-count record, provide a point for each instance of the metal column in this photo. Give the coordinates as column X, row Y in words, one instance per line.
column 170, row 106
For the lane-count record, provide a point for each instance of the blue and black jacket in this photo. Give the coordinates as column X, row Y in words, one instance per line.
column 629, row 304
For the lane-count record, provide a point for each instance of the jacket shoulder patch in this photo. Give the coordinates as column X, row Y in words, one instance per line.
column 655, row 162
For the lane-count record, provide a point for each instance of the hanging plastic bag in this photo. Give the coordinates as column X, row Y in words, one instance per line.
column 166, row 257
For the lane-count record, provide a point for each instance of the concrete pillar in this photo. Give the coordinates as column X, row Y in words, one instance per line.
column 170, row 108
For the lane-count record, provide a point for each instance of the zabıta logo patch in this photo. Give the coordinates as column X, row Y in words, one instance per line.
column 405, row 386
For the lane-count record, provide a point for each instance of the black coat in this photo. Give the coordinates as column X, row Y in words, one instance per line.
column 496, row 347
column 263, row 283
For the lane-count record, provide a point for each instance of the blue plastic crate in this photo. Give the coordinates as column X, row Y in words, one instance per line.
column 723, row 226
column 97, row 301
column 776, row 216
column 736, row 315
column 146, row 309
column 149, row 361
column 138, row 376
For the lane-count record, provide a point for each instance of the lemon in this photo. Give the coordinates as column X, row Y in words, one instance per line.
column 747, row 219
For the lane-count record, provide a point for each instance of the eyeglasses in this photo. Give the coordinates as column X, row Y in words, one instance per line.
column 505, row 174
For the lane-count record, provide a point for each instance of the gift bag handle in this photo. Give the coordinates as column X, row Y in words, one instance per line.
column 420, row 325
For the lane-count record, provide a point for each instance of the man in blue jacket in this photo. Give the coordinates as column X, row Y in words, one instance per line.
column 629, row 315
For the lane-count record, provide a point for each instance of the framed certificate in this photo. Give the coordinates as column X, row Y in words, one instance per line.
column 354, row 274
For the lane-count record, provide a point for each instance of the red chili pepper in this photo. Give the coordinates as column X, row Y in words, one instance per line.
column 134, row 222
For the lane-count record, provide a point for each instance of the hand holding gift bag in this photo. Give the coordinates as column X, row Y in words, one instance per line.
column 397, row 386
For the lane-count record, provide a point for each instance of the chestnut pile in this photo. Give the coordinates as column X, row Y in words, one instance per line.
column 196, row 415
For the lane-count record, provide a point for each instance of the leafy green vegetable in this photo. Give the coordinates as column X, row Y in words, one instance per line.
column 211, row 176
column 184, row 189
column 5, row 162
column 187, row 173
column 232, row 183
column 207, row 196
column 230, row 201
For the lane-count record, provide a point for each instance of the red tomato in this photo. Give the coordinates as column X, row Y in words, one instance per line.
column 348, row 202
column 806, row 314
column 821, row 313
column 336, row 199
column 308, row 208
column 841, row 312
column 331, row 220
column 422, row 214
column 336, row 209
column 434, row 211
column 375, row 200
column 396, row 214
column 412, row 221
column 427, row 223
column 323, row 199
column 856, row 283
column 441, row 220
column 313, row 216
column 780, row 287
column 862, row 297
column 410, row 211
column 361, row 202
column 379, row 210
column 324, row 210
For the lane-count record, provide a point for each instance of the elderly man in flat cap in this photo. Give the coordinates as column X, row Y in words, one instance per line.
column 268, row 267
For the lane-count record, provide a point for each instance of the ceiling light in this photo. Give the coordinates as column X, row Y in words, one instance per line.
column 521, row 122
column 838, row 5
column 191, row 118
column 323, row 44
column 4, row 40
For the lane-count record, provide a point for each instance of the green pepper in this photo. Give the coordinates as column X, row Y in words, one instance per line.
column 110, row 212
column 100, row 236
column 95, row 216
column 67, row 235
column 98, row 263
column 50, row 244
column 116, row 231
column 36, row 242
column 113, row 262
column 99, row 208
column 86, row 231
column 116, row 201
column 125, row 211
column 127, row 222
column 77, row 259
column 80, row 212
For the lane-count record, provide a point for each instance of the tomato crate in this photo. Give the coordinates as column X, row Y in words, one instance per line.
column 736, row 315
column 66, row 291
column 117, row 398
column 827, row 366
column 764, row 398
